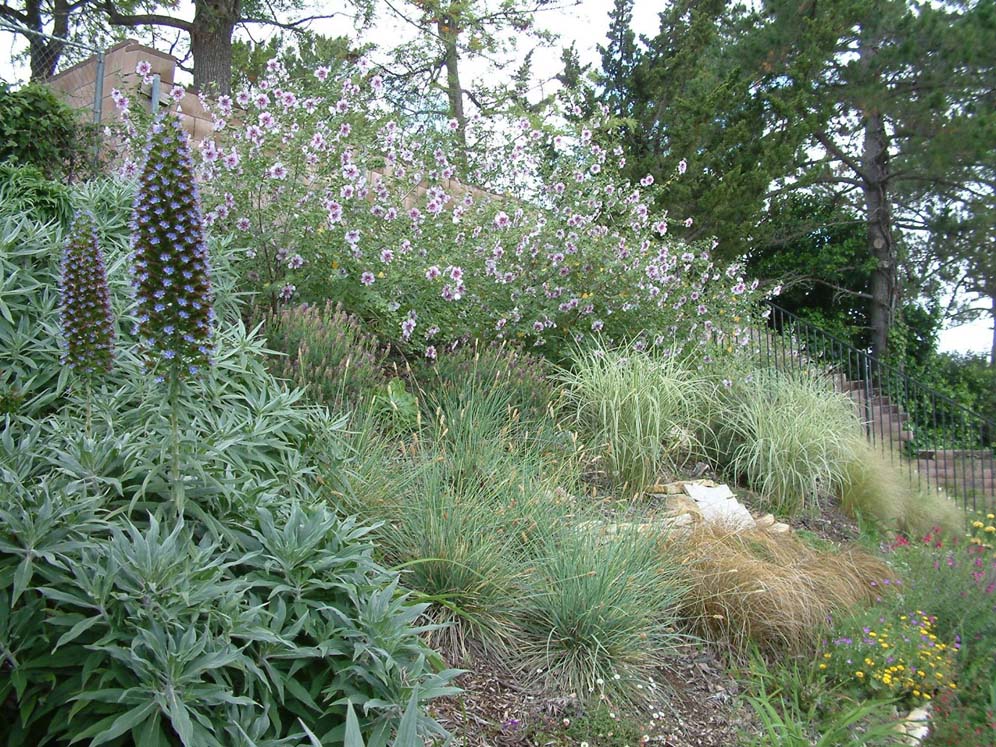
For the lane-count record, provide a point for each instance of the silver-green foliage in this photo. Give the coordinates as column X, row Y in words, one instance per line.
column 257, row 618
column 600, row 611
column 789, row 436
column 642, row 411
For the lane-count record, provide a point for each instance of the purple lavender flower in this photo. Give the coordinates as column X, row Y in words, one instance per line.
column 170, row 271
column 87, row 321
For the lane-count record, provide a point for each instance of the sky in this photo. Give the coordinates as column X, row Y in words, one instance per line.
column 585, row 24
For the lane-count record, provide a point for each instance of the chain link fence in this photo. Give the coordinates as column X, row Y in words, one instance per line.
column 37, row 57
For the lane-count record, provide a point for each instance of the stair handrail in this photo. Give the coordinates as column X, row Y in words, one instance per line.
column 877, row 364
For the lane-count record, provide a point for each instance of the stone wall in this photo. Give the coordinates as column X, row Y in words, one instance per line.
column 76, row 85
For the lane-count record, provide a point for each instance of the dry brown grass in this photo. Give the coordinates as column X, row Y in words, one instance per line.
column 771, row 590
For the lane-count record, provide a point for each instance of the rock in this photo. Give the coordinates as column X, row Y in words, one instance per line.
column 779, row 528
column 916, row 726
column 671, row 488
column 765, row 521
column 717, row 505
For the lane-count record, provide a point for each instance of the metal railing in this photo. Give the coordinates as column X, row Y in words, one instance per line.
column 940, row 443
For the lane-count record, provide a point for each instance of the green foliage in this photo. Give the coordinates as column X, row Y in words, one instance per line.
column 600, row 612
column 796, row 709
column 789, row 436
column 326, row 351
column 877, row 488
column 26, row 189
column 645, row 410
column 256, row 617
column 955, row 582
column 61, row 147
column 479, row 367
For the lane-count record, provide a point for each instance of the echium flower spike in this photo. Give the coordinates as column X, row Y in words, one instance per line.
column 86, row 318
column 170, row 270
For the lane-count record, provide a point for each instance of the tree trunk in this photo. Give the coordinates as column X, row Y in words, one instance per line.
column 875, row 163
column 211, row 44
column 45, row 52
column 449, row 33
column 992, row 315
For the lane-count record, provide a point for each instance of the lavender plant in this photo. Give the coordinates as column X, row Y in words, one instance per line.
column 85, row 309
column 171, row 274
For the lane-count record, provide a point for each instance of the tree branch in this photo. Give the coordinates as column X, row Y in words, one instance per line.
column 150, row 19
column 832, row 148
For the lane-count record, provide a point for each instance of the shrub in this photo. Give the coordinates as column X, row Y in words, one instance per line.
column 327, row 352
column 62, row 147
column 254, row 616
column 479, row 367
column 771, row 591
column 600, row 613
column 643, row 411
column 788, row 436
column 339, row 200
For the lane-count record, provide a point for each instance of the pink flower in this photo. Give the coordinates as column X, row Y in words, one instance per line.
column 502, row 220
column 277, row 171
column 432, row 273
column 430, row 352
column 682, row 166
column 407, row 327
column 177, row 93
column 367, row 278
column 386, row 256
column 322, row 73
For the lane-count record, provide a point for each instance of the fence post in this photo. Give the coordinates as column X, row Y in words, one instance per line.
column 98, row 107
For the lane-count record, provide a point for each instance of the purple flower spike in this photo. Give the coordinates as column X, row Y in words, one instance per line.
column 170, row 271
column 87, row 322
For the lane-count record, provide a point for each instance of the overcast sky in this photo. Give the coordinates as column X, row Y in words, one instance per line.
column 585, row 24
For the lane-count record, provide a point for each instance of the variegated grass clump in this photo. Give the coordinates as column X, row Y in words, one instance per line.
column 642, row 411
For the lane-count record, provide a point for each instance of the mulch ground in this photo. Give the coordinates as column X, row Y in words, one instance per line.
column 698, row 706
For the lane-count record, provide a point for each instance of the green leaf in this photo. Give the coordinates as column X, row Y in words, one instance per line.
column 127, row 721
column 408, row 728
column 22, row 577
column 76, row 631
column 353, row 736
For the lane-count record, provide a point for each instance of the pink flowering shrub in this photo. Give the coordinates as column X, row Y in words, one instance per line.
column 336, row 198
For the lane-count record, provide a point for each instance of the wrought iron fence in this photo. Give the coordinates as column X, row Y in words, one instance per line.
column 46, row 58
column 939, row 442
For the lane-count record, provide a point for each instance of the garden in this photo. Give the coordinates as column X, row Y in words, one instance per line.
column 305, row 441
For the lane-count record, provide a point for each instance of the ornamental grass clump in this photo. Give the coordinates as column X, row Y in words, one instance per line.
column 768, row 590
column 171, row 275
column 85, row 308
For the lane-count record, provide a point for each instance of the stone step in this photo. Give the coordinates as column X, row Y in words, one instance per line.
column 950, row 454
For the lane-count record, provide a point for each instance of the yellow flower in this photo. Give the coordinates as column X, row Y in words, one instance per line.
column 991, row 516
column 823, row 666
column 859, row 674
column 989, row 529
column 977, row 524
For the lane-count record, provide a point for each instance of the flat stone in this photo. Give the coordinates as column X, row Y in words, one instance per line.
column 717, row 505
